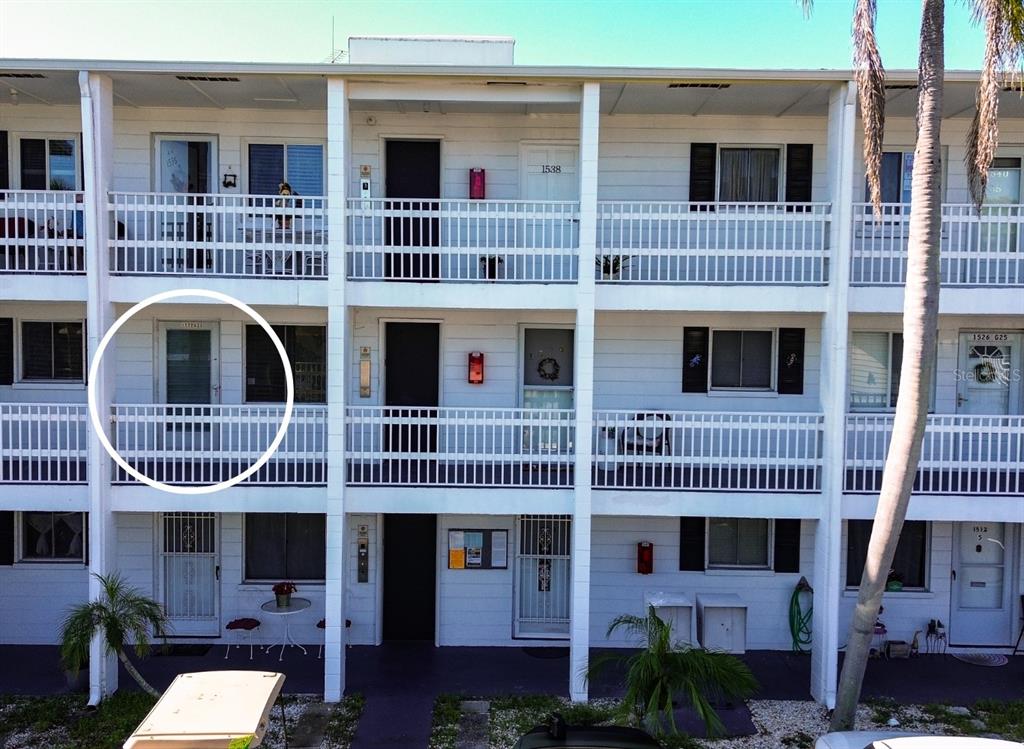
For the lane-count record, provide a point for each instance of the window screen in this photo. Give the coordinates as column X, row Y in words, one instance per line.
column 300, row 165
column 749, row 175
column 909, row 564
column 52, row 351
column 741, row 359
column 306, row 346
column 305, row 169
column 737, row 542
column 875, row 360
column 285, row 546
column 266, row 168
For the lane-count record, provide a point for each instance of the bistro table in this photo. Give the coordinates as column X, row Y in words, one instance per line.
column 295, row 606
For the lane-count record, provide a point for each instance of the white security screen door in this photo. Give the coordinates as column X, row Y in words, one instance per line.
column 548, row 376
column 982, row 612
column 986, row 383
column 543, row 577
column 188, row 573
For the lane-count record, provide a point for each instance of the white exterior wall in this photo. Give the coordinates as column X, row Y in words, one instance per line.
column 35, row 598
column 616, row 588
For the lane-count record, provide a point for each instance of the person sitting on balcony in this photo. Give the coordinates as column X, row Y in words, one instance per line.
column 285, row 221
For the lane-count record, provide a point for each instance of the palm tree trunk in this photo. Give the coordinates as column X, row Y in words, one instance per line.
column 920, row 321
column 134, row 673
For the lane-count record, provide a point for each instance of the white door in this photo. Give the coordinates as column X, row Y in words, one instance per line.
column 542, row 577
column 987, row 383
column 189, row 570
column 982, row 612
column 547, row 173
column 188, row 379
column 548, row 376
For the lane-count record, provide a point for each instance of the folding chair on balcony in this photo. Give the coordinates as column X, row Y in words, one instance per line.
column 644, row 439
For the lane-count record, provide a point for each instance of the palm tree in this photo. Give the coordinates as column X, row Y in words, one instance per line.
column 1003, row 21
column 663, row 672
column 120, row 615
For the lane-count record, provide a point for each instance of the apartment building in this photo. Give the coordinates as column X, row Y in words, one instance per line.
column 565, row 342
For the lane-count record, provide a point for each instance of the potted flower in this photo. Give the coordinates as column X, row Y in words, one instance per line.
column 283, row 592
column 894, row 582
column 610, row 266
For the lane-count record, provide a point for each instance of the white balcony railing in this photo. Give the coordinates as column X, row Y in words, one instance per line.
column 205, row 444
column 975, row 250
column 218, row 235
column 463, row 240
column 43, row 443
column 982, row 455
column 448, row 446
column 41, row 231
column 707, row 243
column 684, row 450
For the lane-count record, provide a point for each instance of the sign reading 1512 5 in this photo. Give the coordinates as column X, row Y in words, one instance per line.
column 550, row 168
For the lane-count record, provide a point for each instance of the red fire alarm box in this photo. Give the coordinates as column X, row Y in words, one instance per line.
column 645, row 558
column 476, row 368
column 477, row 184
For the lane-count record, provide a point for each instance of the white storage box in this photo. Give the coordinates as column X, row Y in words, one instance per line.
column 722, row 622
column 676, row 609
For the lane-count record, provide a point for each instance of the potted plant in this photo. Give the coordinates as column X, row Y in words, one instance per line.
column 610, row 266
column 283, row 592
column 121, row 615
column 894, row 582
column 491, row 265
column 76, row 675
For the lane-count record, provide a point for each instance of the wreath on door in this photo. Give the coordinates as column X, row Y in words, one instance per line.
column 548, row 369
column 985, row 372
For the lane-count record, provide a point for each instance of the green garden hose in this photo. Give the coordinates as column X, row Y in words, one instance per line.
column 799, row 620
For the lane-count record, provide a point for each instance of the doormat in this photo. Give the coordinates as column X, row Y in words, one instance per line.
column 193, row 650
column 982, row 659
column 547, row 653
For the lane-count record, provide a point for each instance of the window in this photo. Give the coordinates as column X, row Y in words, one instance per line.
column 738, row 542
column 300, row 165
column 741, row 359
column 48, row 164
column 910, row 563
column 875, row 360
column 749, row 175
column 52, row 351
column 53, row 536
column 285, row 546
column 264, row 376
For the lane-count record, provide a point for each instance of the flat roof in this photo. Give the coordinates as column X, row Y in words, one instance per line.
column 573, row 72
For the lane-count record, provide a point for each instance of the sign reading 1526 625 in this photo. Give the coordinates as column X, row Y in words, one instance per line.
column 989, row 337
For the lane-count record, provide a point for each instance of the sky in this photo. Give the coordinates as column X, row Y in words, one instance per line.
column 683, row 33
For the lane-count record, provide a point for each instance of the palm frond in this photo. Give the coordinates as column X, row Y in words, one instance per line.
column 1003, row 22
column 807, row 6
column 870, row 77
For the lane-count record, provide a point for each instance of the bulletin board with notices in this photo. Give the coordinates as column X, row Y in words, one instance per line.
column 477, row 549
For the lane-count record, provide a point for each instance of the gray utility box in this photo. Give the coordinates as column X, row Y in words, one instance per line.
column 722, row 622
column 676, row 609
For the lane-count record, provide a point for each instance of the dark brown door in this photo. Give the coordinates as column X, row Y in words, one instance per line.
column 410, row 561
column 413, row 185
column 411, row 366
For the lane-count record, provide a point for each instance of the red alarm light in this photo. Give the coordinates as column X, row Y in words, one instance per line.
column 476, row 368
column 477, row 184
column 645, row 558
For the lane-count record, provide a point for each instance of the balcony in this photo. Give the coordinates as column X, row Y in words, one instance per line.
column 43, row 443
column 981, row 455
column 448, row 446
column 713, row 243
column 692, row 451
column 976, row 250
column 42, row 231
column 257, row 236
column 500, row 241
column 205, row 444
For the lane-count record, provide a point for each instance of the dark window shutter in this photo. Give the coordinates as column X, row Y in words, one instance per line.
column 787, row 545
column 6, row 351
column 799, row 166
column 702, row 172
column 695, row 360
column 691, row 543
column 5, row 168
column 33, row 164
column 6, row 538
column 791, row 361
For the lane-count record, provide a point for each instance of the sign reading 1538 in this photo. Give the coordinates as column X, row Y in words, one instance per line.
column 550, row 168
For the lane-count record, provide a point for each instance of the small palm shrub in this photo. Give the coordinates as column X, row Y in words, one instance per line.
column 120, row 615
column 663, row 673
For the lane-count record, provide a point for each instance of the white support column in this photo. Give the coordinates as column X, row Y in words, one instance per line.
column 338, row 137
column 842, row 112
column 97, row 100
column 579, row 632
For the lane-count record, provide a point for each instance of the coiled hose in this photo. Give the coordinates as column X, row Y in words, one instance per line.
column 799, row 620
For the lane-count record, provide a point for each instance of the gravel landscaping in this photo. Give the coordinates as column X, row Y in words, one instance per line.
column 780, row 724
column 62, row 722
